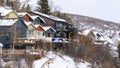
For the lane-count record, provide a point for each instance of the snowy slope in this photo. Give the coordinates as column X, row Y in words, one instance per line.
column 53, row 60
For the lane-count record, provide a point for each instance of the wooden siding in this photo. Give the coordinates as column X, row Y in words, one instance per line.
column 27, row 18
column 38, row 21
column 49, row 22
column 11, row 15
column 49, row 33
column 31, row 28
column 39, row 28
column 22, row 29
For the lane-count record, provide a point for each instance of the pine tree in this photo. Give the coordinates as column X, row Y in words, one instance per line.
column 43, row 7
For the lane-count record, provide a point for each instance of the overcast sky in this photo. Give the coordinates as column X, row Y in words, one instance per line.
column 103, row 9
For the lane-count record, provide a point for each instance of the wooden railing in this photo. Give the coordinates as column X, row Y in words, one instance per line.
column 10, row 51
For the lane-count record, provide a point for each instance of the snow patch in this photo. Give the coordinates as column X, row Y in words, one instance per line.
column 53, row 60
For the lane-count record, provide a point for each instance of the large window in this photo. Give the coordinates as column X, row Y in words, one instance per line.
column 30, row 32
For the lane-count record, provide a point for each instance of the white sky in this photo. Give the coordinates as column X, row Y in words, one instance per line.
column 102, row 9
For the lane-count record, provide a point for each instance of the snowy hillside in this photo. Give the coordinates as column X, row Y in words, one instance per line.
column 52, row 60
column 84, row 22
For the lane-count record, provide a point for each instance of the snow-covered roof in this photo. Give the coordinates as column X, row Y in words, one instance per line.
column 102, row 37
column 50, row 16
column 34, row 17
column 98, row 35
column 22, row 13
column 38, row 26
column 5, row 11
column 47, row 28
column 86, row 32
column 27, row 23
column 8, row 22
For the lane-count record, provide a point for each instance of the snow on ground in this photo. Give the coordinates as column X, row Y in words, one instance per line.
column 83, row 65
column 113, row 50
column 53, row 60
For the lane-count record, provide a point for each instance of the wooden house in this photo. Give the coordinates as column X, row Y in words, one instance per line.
column 25, row 17
column 49, row 31
column 38, row 20
column 97, row 36
column 39, row 32
column 30, row 30
column 10, row 30
column 8, row 13
column 56, row 23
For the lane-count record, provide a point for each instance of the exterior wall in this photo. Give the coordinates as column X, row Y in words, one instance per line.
column 55, row 24
column 5, row 36
column 49, row 22
column 49, row 33
column 60, row 26
column 38, row 21
column 27, row 18
column 11, row 15
column 21, row 29
column 39, row 32
column 31, row 31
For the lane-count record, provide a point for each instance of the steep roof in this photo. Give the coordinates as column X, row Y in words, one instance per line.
column 34, row 17
column 87, row 31
column 102, row 37
column 28, row 23
column 49, row 16
column 36, row 26
column 5, row 11
column 47, row 28
column 8, row 22
column 24, row 13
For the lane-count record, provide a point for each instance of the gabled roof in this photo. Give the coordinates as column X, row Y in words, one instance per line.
column 34, row 17
column 49, row 16
column 102, row 37
column 8, row 22
column 87, row 31
column 29, row 23
column 99, row 36
column 36, row 26
column 47, row 28
column 24, row 13
column 5, row 11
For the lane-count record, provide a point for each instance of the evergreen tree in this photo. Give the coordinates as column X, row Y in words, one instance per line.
column 43, row 7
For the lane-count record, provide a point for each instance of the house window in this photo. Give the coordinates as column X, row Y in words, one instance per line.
column 30, row 32
column 39, row 33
